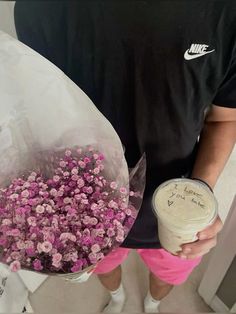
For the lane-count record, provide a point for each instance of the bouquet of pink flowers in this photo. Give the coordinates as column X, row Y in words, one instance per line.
column 66, row 195
column 65, row 223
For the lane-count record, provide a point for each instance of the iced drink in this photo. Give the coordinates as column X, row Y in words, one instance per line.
column 183, row 208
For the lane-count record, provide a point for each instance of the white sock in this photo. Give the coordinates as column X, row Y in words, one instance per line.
column 151, row 304
column 117, row 301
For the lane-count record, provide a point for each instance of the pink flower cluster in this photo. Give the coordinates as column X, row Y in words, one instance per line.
column 67, row 222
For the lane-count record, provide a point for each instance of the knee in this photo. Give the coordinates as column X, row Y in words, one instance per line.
column 157, row 282
column 110, row 273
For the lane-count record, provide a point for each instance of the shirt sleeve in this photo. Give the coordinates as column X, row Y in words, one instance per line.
column 226, row 94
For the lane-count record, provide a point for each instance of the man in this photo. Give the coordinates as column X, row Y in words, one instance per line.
column 163, row 73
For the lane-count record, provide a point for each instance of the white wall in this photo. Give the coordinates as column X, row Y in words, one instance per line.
column 6, row 17
column 226, row 187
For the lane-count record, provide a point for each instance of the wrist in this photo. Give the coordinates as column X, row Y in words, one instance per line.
column 204, row 182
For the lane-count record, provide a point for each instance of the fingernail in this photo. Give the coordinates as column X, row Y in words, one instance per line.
column 182, row 256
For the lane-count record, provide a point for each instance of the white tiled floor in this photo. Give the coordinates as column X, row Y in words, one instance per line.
column 57, row 295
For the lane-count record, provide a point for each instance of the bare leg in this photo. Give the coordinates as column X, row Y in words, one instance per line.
column 157, row 291
column 158, row 288
column 112, row 282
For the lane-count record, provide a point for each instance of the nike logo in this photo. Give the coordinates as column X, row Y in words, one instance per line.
column 196, row 51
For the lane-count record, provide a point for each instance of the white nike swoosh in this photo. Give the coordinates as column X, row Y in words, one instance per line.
column 187, row 56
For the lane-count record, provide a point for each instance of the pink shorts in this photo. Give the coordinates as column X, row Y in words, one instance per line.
column 167, row 267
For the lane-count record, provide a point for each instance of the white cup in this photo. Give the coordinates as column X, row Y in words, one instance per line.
column 183, row 207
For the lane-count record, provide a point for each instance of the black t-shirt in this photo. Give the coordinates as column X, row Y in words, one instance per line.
column 151, row 67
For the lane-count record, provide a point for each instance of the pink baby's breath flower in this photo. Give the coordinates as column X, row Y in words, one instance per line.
column 89, row 190
column 94, row 206
column 79, row 234
column 74, row 256
column 100, row 232
column 74, row 171
column 56, row 178
column 86, row 220
column 46, row 246
column 95, row 156
column 15, row 266
column 101, row 156
column 32, row 221
column 24, row 201
column 67, row 236
column 60, row 193
column 16, row 255
column 72, row 238
column 80, row 183
column 100, row 256
column 93, row 258
column 30, row 252
column 39, row 247
column 13, row 232
column 113, row 185
column 101, row 167
column 77, row 266
column 53, row 192
column 72, row 211
column 25, row 193
column 123, row 190
column 120, row 216
column 112, row 204
column 95, row 248
column 31, row 178
column 128, row 211
column 89, row 178
column 87, row 160
column 62, row 163
column 84, row 201
column 26, row 185
column 93, row 221
column 14, row 196
column 67, row 153
column 29, row 244
column 6, row 222
column 49, row 237
column 49, row 208
column 96, row 170
column 75, row 177
column 110, row 214
column 39, row 209
column 123, row 206
column 110, row 232
column 37, row 265
column 67, row 200
column 81, row 164
column 86, row 232
column 119, row 239
column 3, row 242
column 56, row 259
column 20, row 244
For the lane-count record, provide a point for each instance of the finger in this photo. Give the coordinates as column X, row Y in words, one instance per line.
column 193, row 256
column 198, row 247
column 211, row 231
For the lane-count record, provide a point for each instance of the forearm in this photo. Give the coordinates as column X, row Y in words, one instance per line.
column 216, row 144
